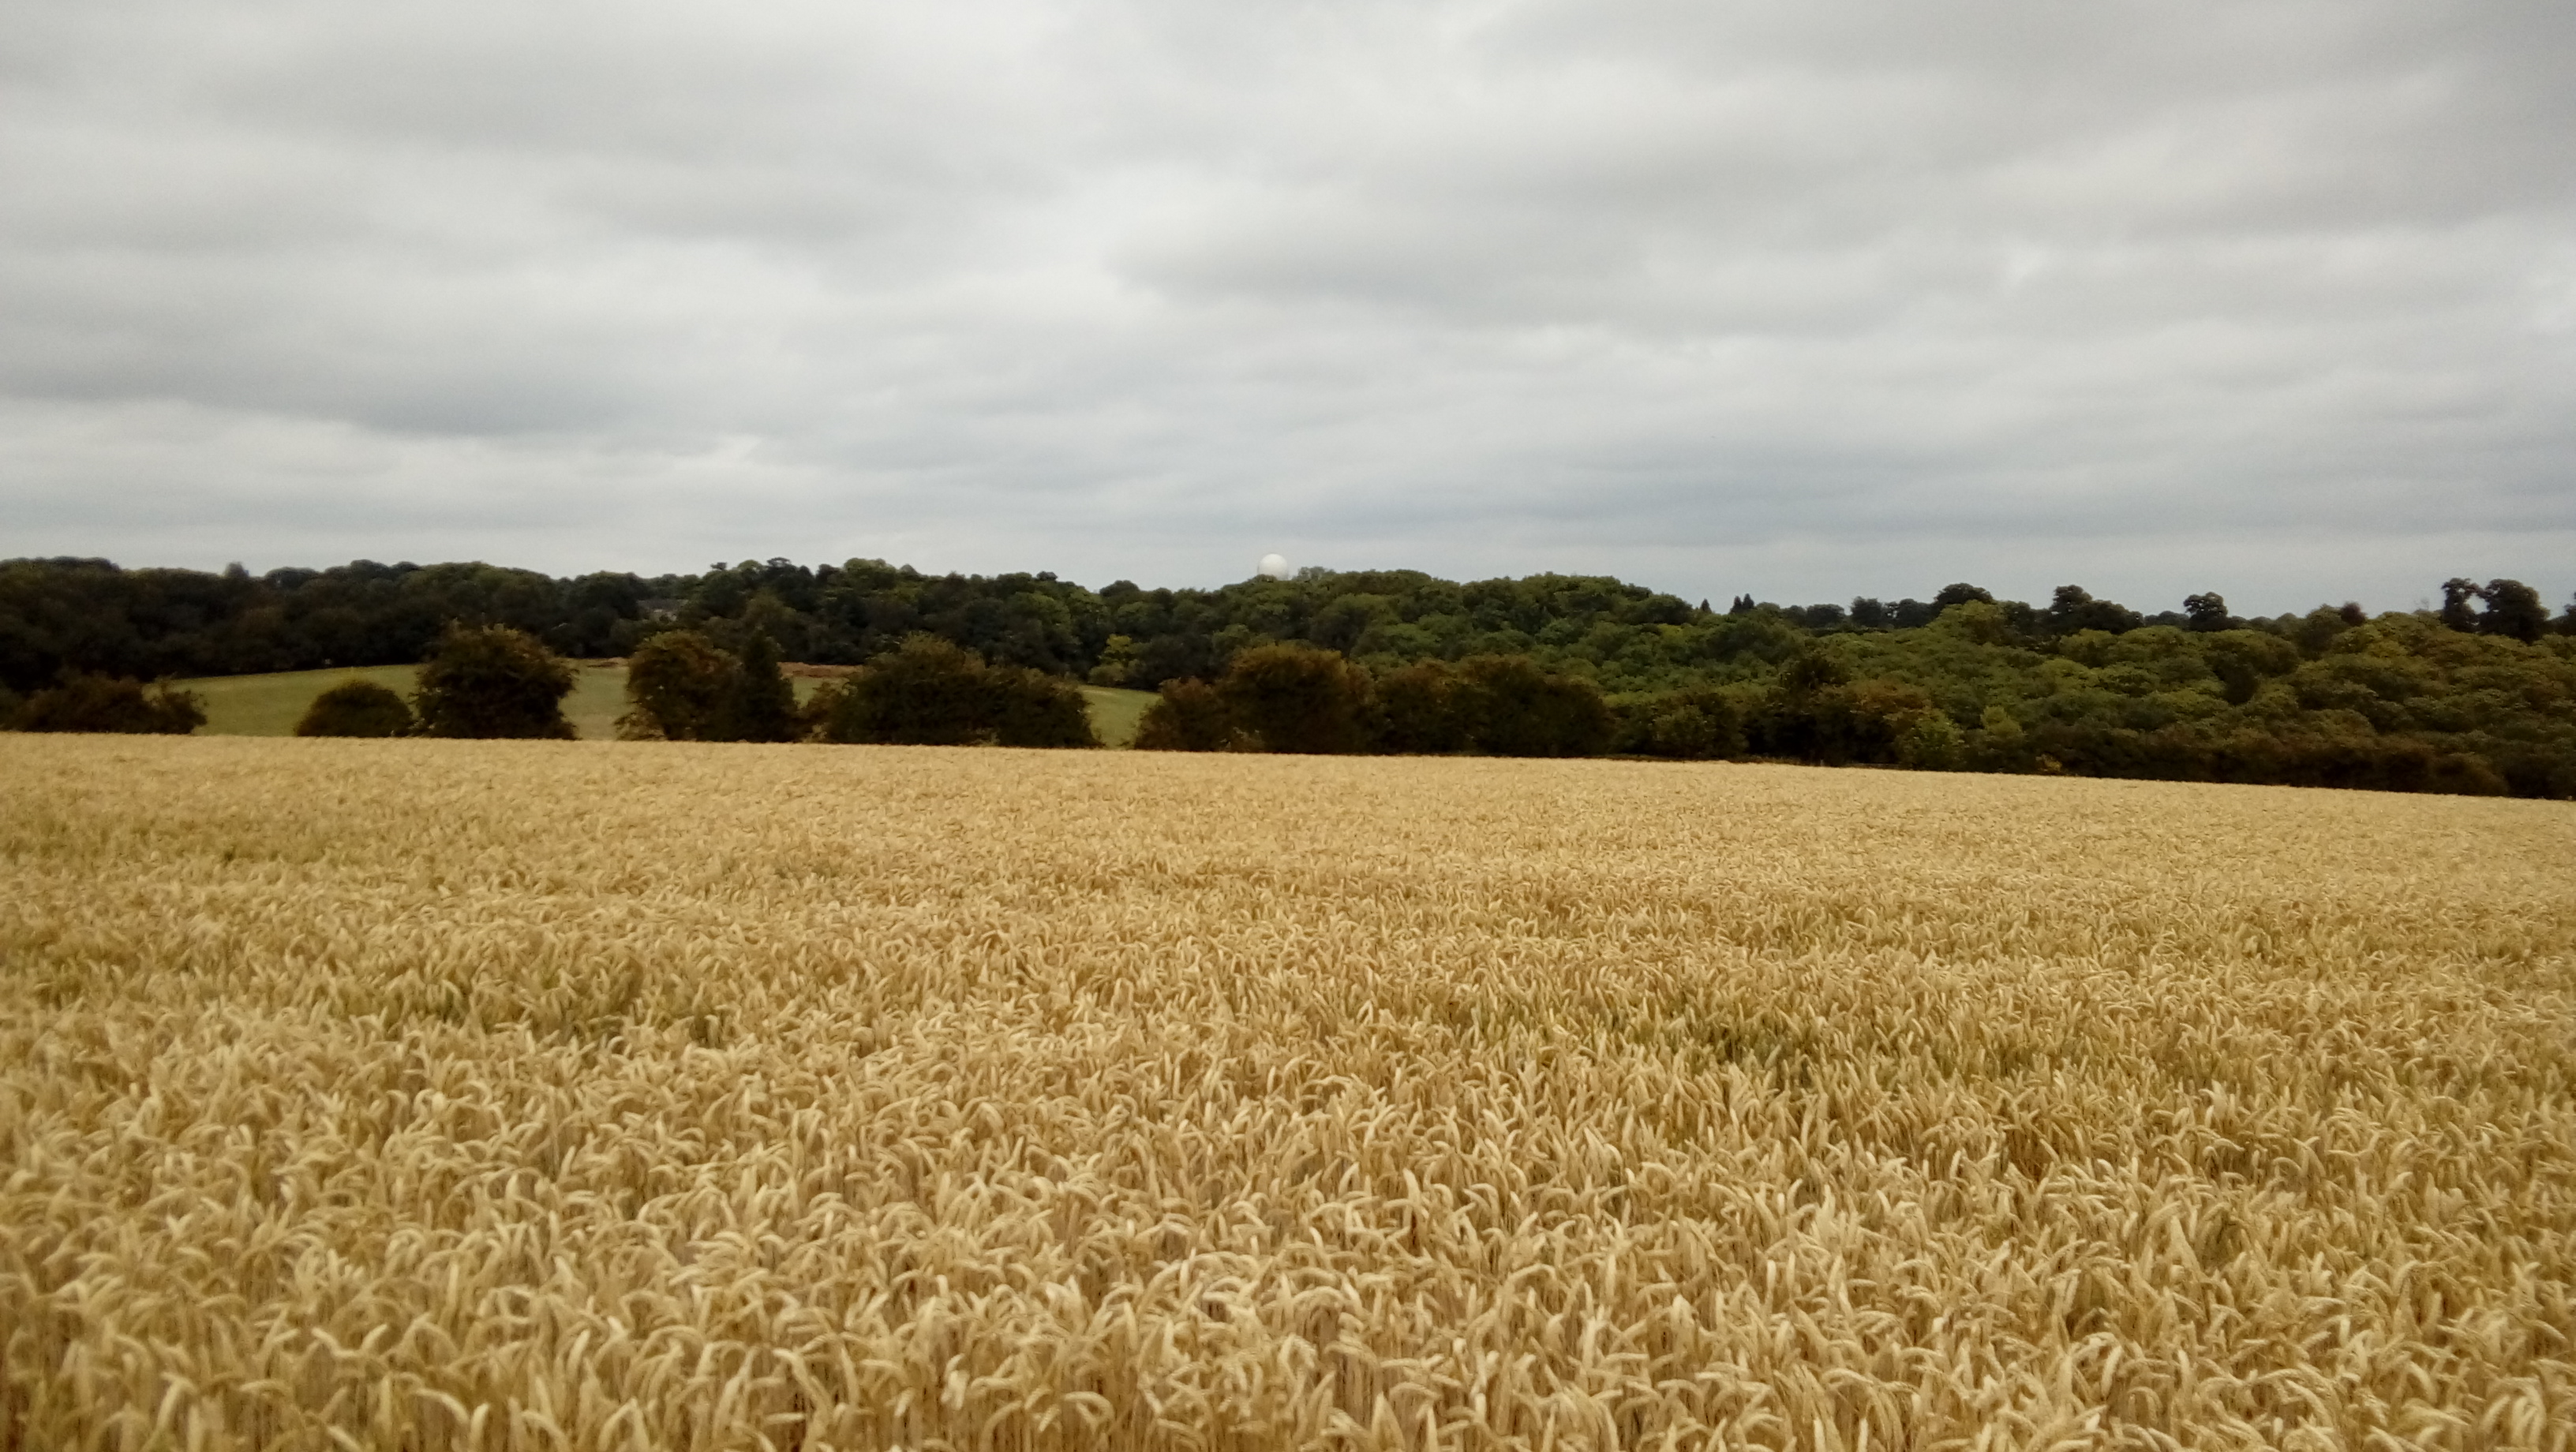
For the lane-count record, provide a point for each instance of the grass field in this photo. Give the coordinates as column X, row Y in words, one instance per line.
column 270, row 705
column 544, row 1095
column 1116, row 713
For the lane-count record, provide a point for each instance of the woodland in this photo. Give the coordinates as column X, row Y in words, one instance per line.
column 2477, row 696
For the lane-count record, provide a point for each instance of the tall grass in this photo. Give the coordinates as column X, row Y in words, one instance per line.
column 543, row 1095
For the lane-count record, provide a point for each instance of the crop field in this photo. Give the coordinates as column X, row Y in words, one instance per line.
column 418, row 1094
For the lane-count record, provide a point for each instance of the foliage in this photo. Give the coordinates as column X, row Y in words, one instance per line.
column 1696, row 723
column 761, row 704
column 1420, row 710
column 1512, row 707
column 1296, row 698
column 110, row 704
column 929, row 692
column 493, row 681
column 356, row 708
column 678, row 688
column 1188, row 716
column 2196, row 691
column 1031, row 708
column 985, row 1101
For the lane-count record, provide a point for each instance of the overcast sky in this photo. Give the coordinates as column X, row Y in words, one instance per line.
column 1803, row 299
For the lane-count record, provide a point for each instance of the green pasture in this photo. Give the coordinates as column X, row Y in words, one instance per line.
column 1114, row 713
column 269, row 705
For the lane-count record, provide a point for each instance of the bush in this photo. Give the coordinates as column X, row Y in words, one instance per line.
column 681, row 686
column 491, row 681
column 677, row 687
column 1701, row 723
column 1032, row 708
column 1188, row 716
column 356, row 708
column 928, row 692
column 1415, row 711
column 114, row 705
column 1513, row 708
column 760, row 704
column 1295, row 698
column 925, row 692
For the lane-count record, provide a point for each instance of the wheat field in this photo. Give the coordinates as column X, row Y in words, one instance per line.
column 439, row 1095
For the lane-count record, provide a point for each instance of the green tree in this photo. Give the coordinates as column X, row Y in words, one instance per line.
column 2208, row 612
column 1187, row 716
column 1119, row 662
column 1514, row 708
column 493, row 681
column 2513, row 610
column 357, row 707
column 1416, row 710
column 1028, row 707
column 1295, row 698
column 759, row 703
column 924, row 692
column 2456, row 595
column 1696, row 723
column 678, row 688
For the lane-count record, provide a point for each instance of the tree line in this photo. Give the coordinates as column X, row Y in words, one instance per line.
column 2473, row 696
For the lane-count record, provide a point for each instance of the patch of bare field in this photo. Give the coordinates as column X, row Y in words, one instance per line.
column 561, row 1095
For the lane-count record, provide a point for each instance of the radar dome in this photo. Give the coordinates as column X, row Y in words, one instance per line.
column 1275, row 566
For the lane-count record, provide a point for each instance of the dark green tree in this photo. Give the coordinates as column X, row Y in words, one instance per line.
column 2208, row 612
column 1418, row 710
column 759, row 703
column 1028, row 707
column 1187, row 716
column 925, row 692
column 357, row 707
column 1295, row 698
column 1514, row 708
column 112, row 704
column 2513, row 610
column 493, row 681
column 1696, row 723
column 2456, row 595
column 2073, row 608
column 679, row 686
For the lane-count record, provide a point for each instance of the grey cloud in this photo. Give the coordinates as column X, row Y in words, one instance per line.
column 1803, row 299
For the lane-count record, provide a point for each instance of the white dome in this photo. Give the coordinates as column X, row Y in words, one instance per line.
column 1275, row 566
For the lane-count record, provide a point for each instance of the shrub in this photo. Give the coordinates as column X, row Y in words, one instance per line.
column 1701, row 723
column 1415, row 711
column 112, row 704
column 1296, row 698
column 1513, row 708
column 1031, row 708
column 925, row 692
column 1188, row 716
column 759, row 704
column 356, row 708
column 928, row 692
column 677, row 686
column 492, row 681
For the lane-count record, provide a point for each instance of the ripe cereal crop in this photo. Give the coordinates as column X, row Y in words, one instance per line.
column 466, row 1095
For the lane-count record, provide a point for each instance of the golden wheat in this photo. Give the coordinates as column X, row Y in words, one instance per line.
column 504, row 1095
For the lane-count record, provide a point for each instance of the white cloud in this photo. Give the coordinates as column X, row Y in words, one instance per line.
column 1800, row 299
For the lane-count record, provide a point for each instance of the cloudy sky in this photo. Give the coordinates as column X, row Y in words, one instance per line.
column 1802, row 298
